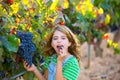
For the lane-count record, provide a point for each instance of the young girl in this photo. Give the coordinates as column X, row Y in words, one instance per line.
column 62, row 56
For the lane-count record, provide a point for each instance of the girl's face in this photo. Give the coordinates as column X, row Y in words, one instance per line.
column 60, row 42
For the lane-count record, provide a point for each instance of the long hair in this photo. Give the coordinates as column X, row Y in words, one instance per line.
column 74, row 49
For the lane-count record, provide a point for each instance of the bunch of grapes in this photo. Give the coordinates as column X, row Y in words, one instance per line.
column 26, row 48
column 2, row 74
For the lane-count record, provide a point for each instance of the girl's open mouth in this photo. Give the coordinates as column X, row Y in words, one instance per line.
column 59, row 47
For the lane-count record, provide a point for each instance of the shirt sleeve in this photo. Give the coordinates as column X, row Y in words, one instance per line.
column 46, row 63
column 71, row 69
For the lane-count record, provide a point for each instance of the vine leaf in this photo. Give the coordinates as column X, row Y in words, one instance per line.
column 9, row 43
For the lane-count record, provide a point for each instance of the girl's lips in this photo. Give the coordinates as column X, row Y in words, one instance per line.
column 59, row 47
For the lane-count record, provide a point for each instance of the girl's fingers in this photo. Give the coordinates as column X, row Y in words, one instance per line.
column 26, row 64
column 62, row 52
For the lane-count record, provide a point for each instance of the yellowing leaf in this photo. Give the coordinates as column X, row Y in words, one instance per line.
column 90, row 7
column 83, row 10
column 95, row 12
column 30, row 29
column 78, row 7
column 100, row 11
column 15, row 7
column 54, row 4
column 46, row 34
column 24, row 27
column 17, row 20
column 107, row 19
column 25, row 2
column 66, row 4
column 35, row 35
column 110, row 42
column 0, row 5
column 115, row 45
column 84, row 7
column 105, row 36
column 18, row 40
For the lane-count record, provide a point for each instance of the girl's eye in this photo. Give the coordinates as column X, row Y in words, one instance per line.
column 63, row 38
column 55, row 38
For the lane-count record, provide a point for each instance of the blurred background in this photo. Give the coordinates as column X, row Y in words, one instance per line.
column 95, row 22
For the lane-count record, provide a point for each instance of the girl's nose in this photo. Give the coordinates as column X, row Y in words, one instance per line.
column 59, row 40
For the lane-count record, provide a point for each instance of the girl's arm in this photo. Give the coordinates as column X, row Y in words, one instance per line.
column 59, row 75
column 34, row 69
column 39, row 75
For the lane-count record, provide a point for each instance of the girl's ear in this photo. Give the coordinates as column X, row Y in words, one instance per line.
column 51, row 44
column 69, row 44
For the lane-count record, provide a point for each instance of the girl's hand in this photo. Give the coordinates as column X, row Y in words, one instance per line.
column 29, row 68
column 62, row 55
column 34, row 69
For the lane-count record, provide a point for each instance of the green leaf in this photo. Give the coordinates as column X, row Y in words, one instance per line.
column 28, row 76
column 84, row 26
column 74, row 2
column 7, row 8
column 116, row 51
column 11, row 20
column 13, row 39
column 82, row 38
column 1, row 50
column 80, row 17
column 10, row 43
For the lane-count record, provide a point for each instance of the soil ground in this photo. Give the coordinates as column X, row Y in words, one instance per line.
column 101, row 68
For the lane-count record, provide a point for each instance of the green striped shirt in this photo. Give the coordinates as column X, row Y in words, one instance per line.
column 70, row 70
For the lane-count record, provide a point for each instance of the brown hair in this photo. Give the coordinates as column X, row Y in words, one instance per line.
column 74, row 49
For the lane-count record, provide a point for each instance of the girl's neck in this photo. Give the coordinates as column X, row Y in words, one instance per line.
column 67, row 54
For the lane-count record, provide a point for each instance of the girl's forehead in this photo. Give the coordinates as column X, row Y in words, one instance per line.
column 58, row 33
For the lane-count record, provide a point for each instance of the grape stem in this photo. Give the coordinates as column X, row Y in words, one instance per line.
column 17, row 75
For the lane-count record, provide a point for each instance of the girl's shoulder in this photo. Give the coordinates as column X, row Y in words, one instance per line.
column 71, row 69
column 71, row 61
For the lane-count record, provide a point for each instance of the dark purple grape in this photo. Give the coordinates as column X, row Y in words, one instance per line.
column 59, row 47
column 2, row 74
column 36, row 16
column 7, row 60
column 113, row 28
column 39, row 31
column 27, row 47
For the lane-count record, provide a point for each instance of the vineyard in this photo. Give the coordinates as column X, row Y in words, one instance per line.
column 24, row 24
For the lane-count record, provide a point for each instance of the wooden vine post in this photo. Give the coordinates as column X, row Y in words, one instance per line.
column 89, row 46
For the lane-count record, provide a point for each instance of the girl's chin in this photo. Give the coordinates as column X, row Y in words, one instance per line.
column 58, row 53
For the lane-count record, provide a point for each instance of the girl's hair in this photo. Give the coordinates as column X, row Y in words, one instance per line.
column 74, row 49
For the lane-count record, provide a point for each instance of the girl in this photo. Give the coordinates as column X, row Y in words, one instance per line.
column 62, row 56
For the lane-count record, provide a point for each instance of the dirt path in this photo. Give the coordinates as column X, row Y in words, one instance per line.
column 101, row 68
